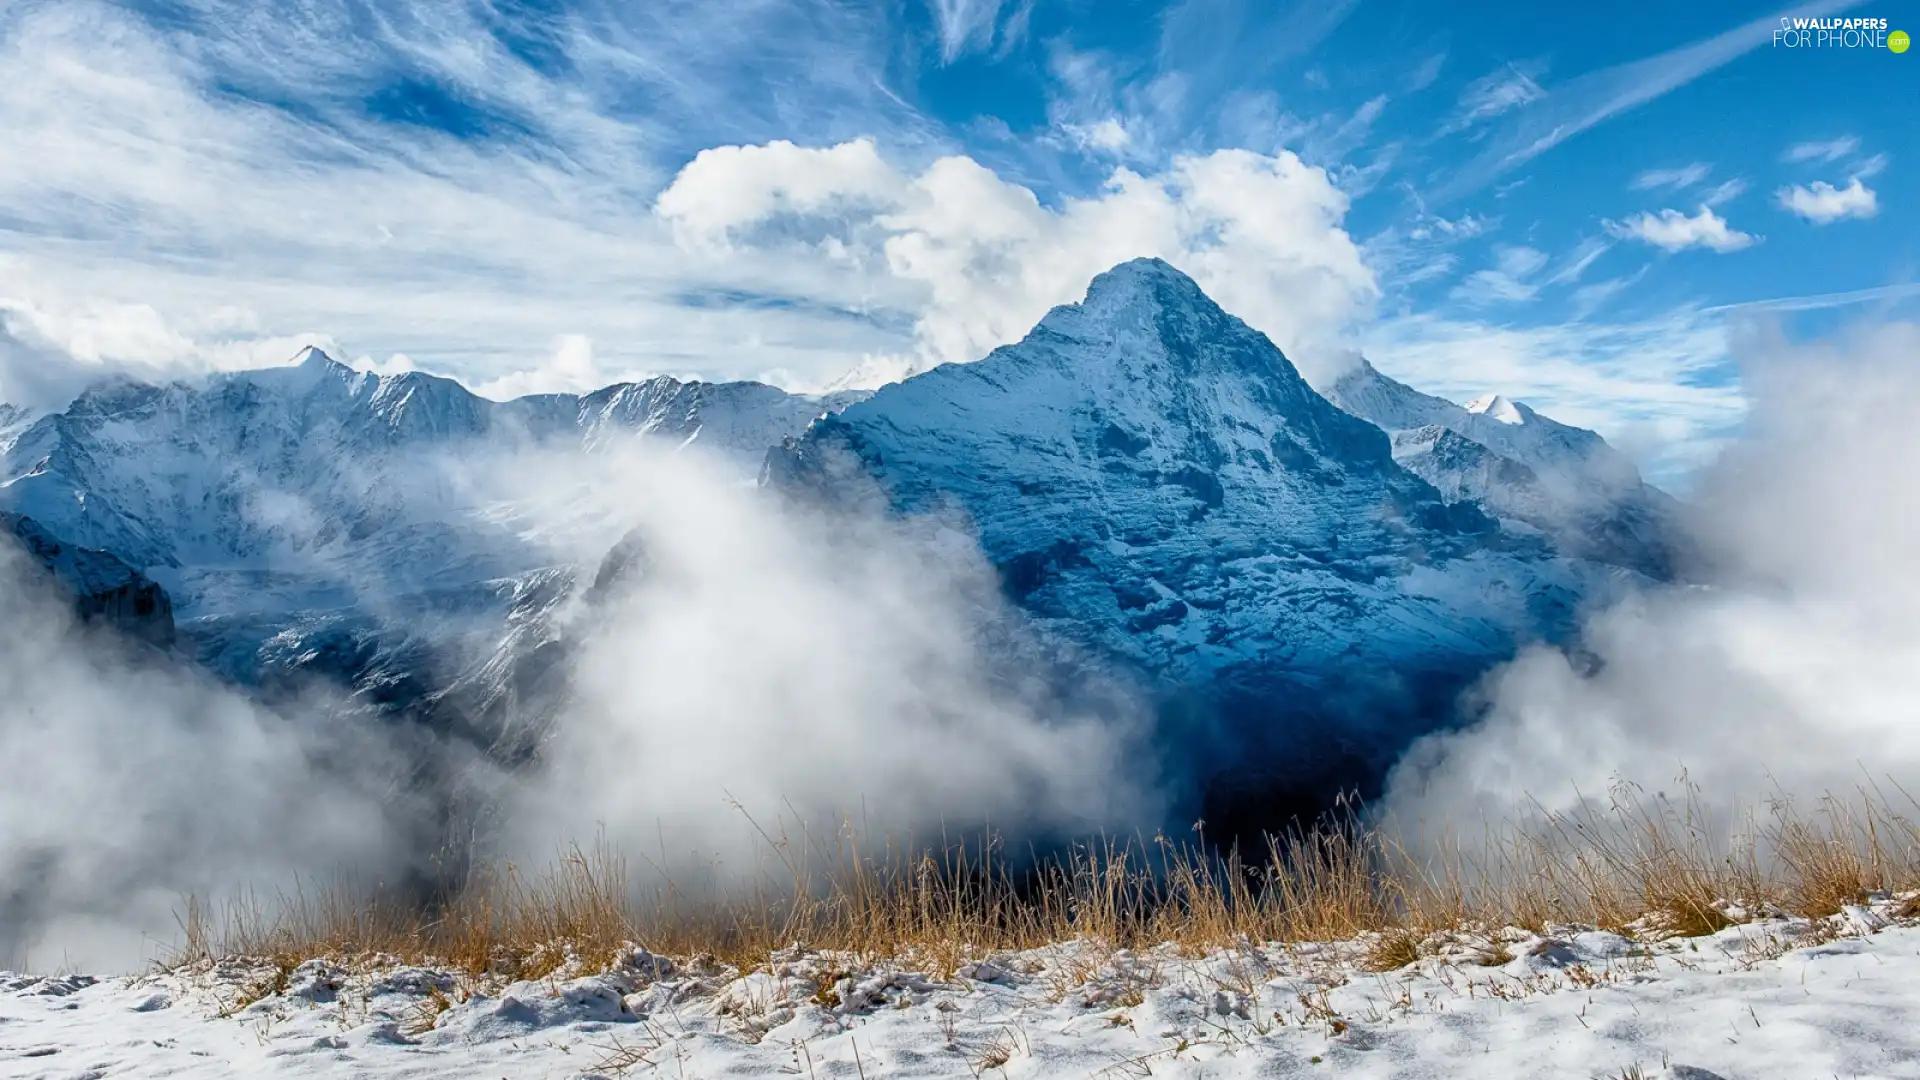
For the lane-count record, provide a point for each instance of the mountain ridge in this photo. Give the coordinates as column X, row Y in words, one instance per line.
column 1301, row 589
column 181, row 473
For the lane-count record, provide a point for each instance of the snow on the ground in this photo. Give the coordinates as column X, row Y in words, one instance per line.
column 1780, row 998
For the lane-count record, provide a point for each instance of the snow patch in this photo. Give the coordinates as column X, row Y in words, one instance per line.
column 1776, row 997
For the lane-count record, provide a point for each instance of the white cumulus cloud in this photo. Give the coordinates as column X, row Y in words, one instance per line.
column 1822, row 203
column 729, row 187
column 1672, row 230
column 985, row 259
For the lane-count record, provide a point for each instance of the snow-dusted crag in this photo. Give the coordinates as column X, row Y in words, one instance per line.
column 13, row 420
column 1536, row 475
column 99, row 586
column 1156, row 481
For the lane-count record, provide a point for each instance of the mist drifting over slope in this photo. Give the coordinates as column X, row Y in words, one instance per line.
column 1794, row 670
column 759, row 659
column 132, row 781
column 805, row 669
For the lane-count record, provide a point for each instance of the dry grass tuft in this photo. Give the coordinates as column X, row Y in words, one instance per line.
column 427, row 1012
column 1494, row 955
column 1634, row 862
column 1394, row 950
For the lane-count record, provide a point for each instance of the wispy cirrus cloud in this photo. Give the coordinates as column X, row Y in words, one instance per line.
column 1508, row 281
column 431, row 182
column 1426, row 73
column 1671, row 179
column 1881, row 296
column 1870, row 167
column 1579, row 259
column 1823, row 151
column 964, row 26
column 1213, row 41
column 1497, row 92
column 1206, row 83
column 1563, row 111
column 1591, row 297
column 1724, row 192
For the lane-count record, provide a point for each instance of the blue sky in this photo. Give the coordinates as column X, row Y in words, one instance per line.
column 1588, row 208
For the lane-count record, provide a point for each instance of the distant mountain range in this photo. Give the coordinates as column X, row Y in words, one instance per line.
column 288, row 472
column 1532, row 472
column 1305, row 582
column 315, row 522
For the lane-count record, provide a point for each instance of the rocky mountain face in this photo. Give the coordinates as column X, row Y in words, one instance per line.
column 101, row 588
column 1156, row 482
column 1534, row 474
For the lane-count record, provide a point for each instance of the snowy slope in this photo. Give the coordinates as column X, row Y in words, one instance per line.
column 1157, row 481
column 1569, row 486
column 1766, row 1000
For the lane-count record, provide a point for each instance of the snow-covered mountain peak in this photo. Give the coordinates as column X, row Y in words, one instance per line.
column 315, row 357
column 1146, row 383
column 1147, row 318
column 1137, row 282
column 1497, row 407
column 1133, row 443
column 310, row 372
